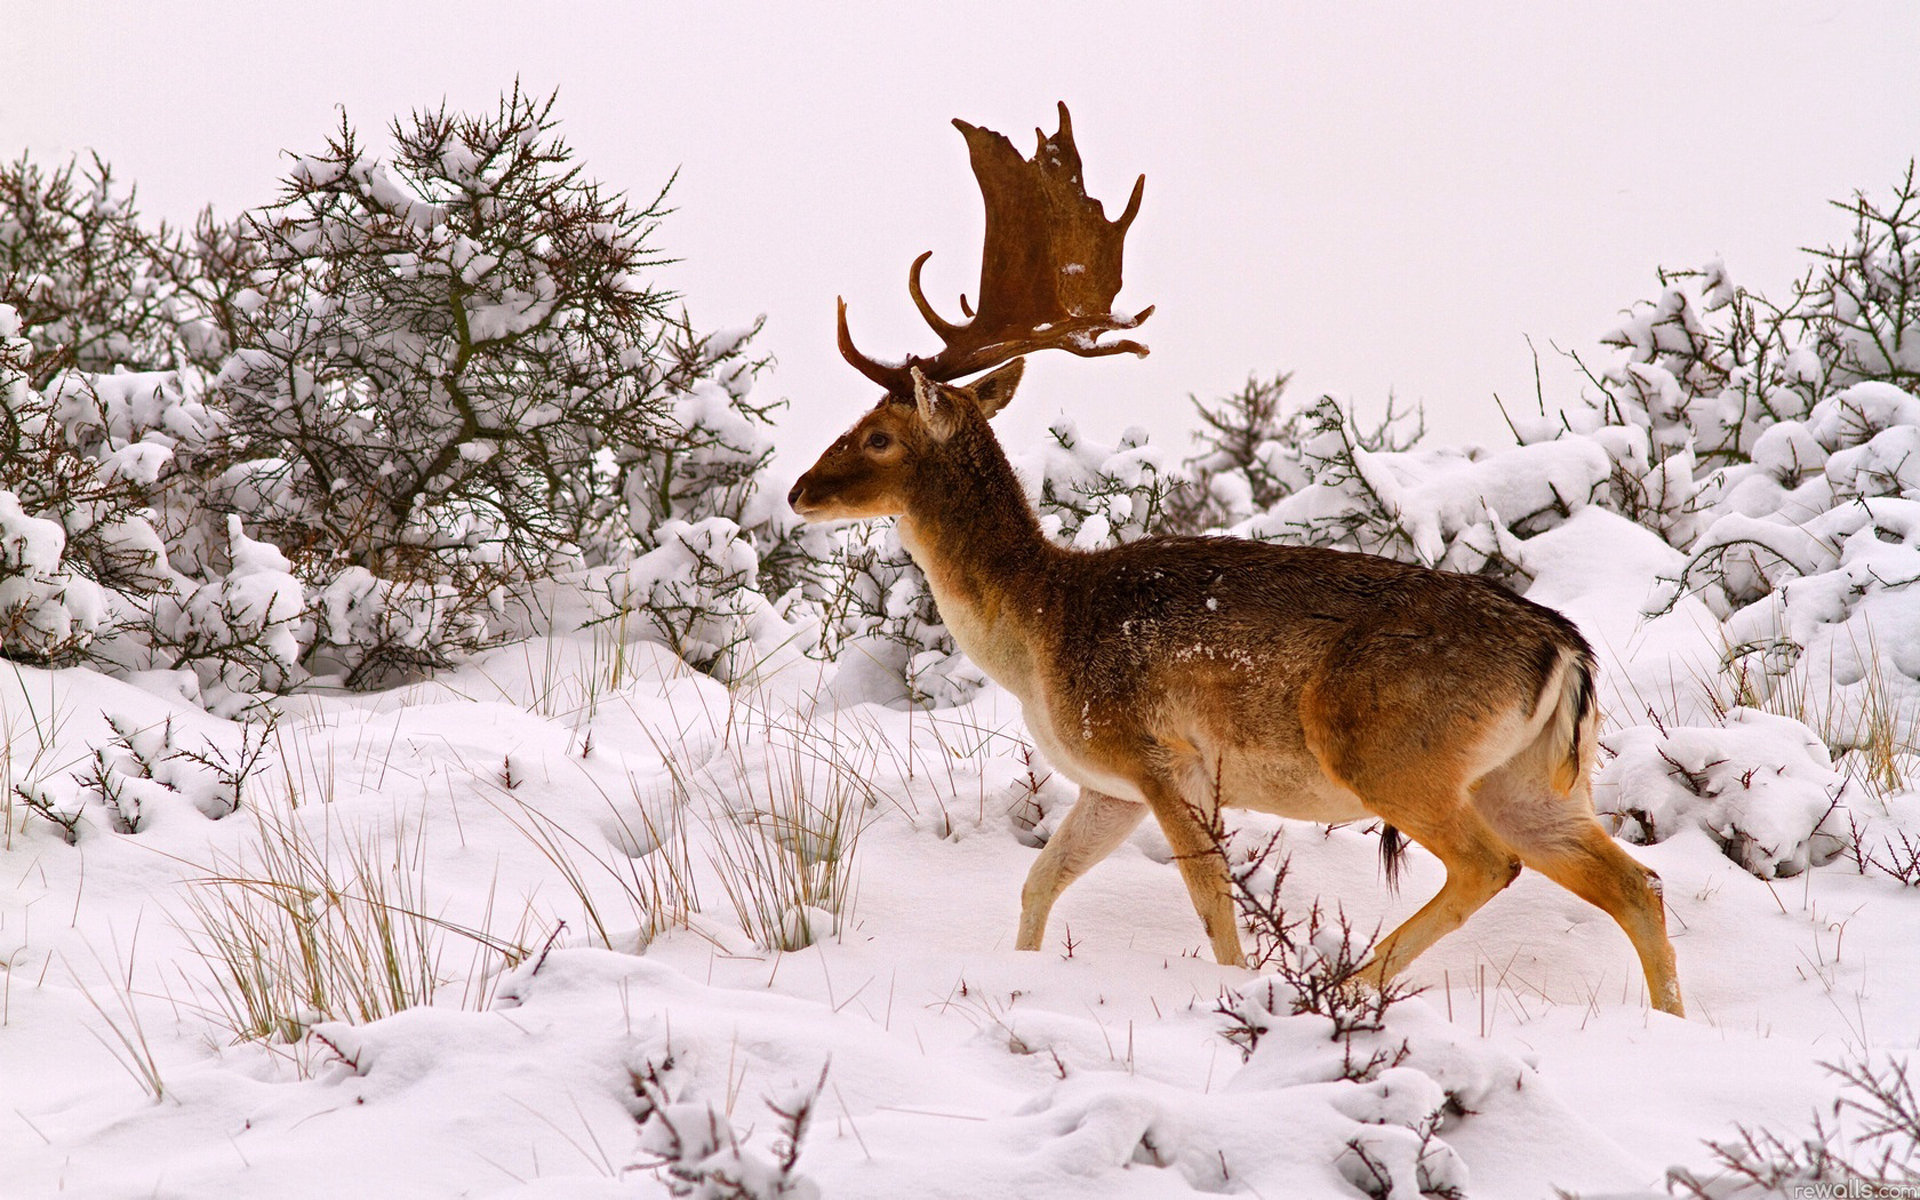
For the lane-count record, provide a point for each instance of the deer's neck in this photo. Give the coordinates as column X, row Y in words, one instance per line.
column 969, row 528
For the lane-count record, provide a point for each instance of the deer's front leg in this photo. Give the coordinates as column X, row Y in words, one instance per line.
column 1095, row 825
column 1202, row 865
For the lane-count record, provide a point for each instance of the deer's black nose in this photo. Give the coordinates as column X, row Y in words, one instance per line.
column 793, row 497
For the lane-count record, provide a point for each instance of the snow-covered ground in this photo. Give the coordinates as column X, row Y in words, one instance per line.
column 571, row 790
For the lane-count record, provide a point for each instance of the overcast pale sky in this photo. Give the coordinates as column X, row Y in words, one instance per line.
column 1378, row 198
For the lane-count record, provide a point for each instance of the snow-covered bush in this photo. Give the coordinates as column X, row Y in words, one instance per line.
column 706, row 450
column 1398, row 1086
column 1778, row 445
column 697, row 1152
column 109, row 550
column 1460, row 510
column 217, row 277
column 136, row 774
column 1235, row 473
column 79, row 267
column 74, row 528
column 113, row 446
column 1090, row 496
column 465, row 379
column 1866, row 325
column 1805, row 532
column 1252, row 452
column 1762, row 786
column 696, row 591
column 237, row 631
column 879, row 622
column 1867, row 1144
column 1312, row 476
column 1709, row 404
column 152, row 432
column 46, row 613
column 100, row 290
column 422, row 382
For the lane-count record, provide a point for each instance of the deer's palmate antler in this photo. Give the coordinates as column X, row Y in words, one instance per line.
column 1174, row 675
column 1048, row 273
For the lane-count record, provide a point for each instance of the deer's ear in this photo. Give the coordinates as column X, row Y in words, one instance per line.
column 938, row 405
column 993, row 391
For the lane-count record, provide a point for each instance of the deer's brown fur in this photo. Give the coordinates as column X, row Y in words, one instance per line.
column 1172, row 675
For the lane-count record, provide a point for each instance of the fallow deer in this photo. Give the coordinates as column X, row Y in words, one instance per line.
column 1174, row 674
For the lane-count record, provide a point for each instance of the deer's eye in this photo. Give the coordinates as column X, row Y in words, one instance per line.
column 879, row 440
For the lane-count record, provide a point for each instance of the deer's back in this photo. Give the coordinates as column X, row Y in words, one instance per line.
column 1134, row 614
column 1207, row 646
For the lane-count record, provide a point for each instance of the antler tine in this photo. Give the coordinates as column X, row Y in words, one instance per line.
column 1091, row 348
column 1063, row 139
column 892, row 376
column 945, row 328
column 1121, row 222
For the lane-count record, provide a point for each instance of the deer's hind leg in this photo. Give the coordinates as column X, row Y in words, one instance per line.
column 1095, row 825
column 1479, row 865
column 1557, row 835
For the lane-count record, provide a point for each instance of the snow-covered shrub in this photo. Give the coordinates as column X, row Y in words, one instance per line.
column 878, row 619
column 1460, row 510
column 217, row 277
column 1312, row 476
column 1762, row 786
column 1708, row 374
column 697, row 1152
column 38, row 601
column 1866, row 325
column 79, row 267
column 696, row 590
column 99, row 290
column 1868, row 1144
column 426, row 381
column 153, row 433
column 1254, row 451
column 1811, row 557
column 1710, row 400
column 74, row 526
column 1813, row 483
column 1707, row 367
column 462, row 359
column 1421, row 1079
column 114, row 444
column 1779, row 446
column 139, row 770
column 109, row 547
column 705, row 453
column 138, row 774
column 1248, row 459
column 1090, row 496
column 237, row 631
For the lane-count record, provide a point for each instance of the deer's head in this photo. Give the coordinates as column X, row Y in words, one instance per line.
column 1049, row 271
column 867, row 471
